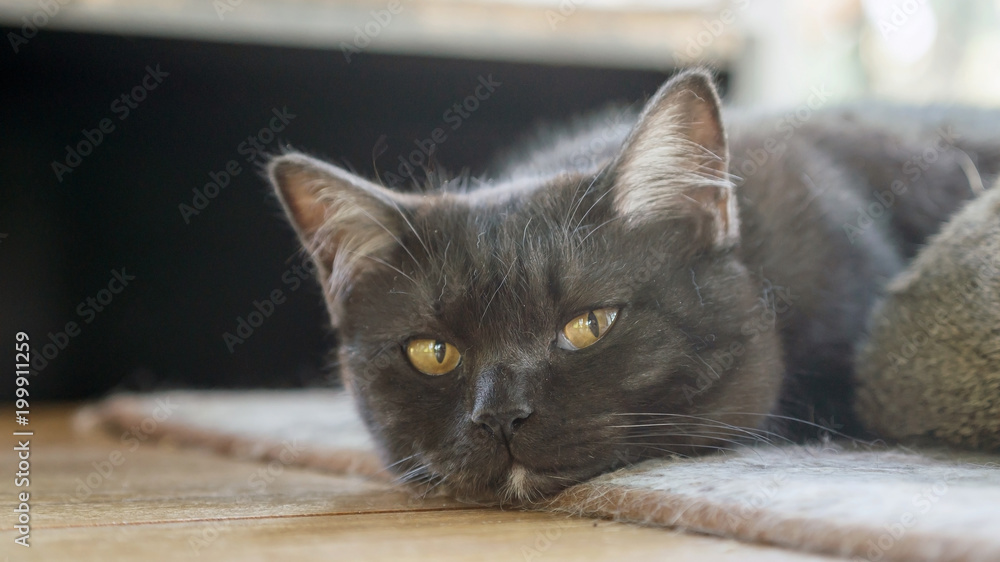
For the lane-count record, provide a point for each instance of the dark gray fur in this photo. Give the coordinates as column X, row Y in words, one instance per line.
column 716, row 341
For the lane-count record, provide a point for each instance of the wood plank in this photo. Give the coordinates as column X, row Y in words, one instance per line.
column 440, row 536
column 88, row 478
column 163, row 503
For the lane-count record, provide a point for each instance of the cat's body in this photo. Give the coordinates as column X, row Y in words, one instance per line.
column 627, row 292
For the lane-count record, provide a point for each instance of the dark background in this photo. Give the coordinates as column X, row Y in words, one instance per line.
column 119, row 207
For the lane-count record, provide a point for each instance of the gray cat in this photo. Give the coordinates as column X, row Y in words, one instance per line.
column 636, row 286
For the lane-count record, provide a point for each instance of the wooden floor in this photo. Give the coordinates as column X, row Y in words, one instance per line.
column 93, row 498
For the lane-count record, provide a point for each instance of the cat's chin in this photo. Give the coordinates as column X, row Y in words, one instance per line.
column 524, row 485
column 521, row 486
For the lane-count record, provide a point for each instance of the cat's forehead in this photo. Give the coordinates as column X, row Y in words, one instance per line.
column 495, row 204
column 518, row 219
column 509, row 253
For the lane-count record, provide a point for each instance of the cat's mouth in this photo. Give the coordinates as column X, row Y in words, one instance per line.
column 518, row 482
column 518, row 485
column 525, row 485
column 521, row 485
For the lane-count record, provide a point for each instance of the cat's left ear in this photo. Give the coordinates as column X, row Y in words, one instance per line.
column 675, row 163
column 347, row 224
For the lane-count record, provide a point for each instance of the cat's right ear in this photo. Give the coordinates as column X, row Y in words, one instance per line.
column 675, row 162
column 345, row 223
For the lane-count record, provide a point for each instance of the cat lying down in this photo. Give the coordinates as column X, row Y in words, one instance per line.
column 683, row 287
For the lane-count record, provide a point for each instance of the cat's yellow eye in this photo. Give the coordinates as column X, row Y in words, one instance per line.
column 584, row 330
column 433, row 357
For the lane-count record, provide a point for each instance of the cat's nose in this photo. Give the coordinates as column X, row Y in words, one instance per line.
column 501, row 425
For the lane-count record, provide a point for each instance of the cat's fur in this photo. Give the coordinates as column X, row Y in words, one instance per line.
column 931, row 367
column 742, row 290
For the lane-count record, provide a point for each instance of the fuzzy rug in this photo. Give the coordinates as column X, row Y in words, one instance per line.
column 862, row 503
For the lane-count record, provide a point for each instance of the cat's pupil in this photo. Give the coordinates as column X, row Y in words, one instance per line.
column 439, row 350
column 593, row 325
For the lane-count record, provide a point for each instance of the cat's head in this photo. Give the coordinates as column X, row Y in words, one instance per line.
column 508, row 341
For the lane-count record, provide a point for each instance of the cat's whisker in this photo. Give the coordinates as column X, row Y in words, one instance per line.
column 821, row 427
column 440, row 479
column 738, row 445
column 411, row 475
column 754, row 434
column 415, row 475
column 707, row 433
column 700, row 429
column 536, row 494
column 565, row 478
column 524, row 235
column 706, row 363
column 584, row 217
column 400, row 461
column 390, row 266
column 671, row 451
column 576, row 206
column 500, row 286
column 662, row 444
column 712, row 420
column 392, row 235
column 735, row 430
column 596, row 228
column 412, row 229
